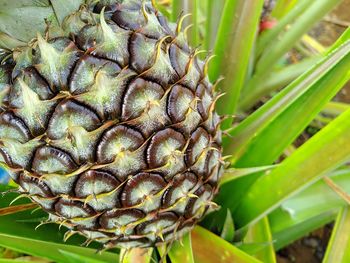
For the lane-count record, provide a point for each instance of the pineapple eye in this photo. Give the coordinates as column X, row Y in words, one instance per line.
column 141, row 186
column 139, row 97
column 163, row 145
column 49, row 160
column 126, row 139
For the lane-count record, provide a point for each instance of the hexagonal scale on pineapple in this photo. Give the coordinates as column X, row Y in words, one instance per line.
column 98, row 189
column 71, row 114
column 140, row 96
column 154, row 228
column 104, row 95
column 106, row 40
column 55, row 59
column 84, row 73
column 35, row 82
column 14, row 128
column 165, row 152
column 140, row 17
column 116, row 141
column 73, row 209
column 45, row 203
column 34, row 186
column 120, row 221
column 186, row 66
column 177, row 195
column 142, row 190
column 198, row 205
column 205, row 100
column 212, row 123
column 5, row 81
column 49, row 160
column 27, row 105
column 179, row 101
column 150, row 59
column 152, row 119
column 16, row 154
column 199, row 142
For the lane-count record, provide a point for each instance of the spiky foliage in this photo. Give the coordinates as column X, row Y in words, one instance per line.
column 110, row 125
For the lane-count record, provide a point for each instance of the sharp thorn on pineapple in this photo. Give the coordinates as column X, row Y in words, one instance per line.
column 108, row 123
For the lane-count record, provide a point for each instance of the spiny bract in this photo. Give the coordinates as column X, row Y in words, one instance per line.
column 111, row 127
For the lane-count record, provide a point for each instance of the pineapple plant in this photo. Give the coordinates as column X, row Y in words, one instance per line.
column 169, row 130
column 108, row 123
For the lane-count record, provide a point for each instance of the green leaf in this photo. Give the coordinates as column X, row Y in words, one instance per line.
column 328, row 149
column 63, row 8
column 228, row 231
column 280, row 121
column 181, row 251
column 214, row 12
column 9, row 43
column 338, row 249
column 315, row 200
column 139, row 255
column 277, row 79
column 233, row 173
column 311, row 12
column 260, row 234
column 296, row 231
column 52, row 251
column 287, row 114
column 76, row 258
column 283, row 7
column 208, row 248
column 335, row 108
column 24, row 18
column 233, row 49
column 7, row 260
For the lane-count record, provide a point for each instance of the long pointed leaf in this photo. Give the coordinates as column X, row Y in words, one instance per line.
column 314, row 11
column 282, row 119
column 325, row 151
column 181, row 251
column 209, row 248
column 338, row 249
column 52, row 250
column 140, row 255
column 296, row 231
column 260, row 234
column 315, row 200
column 63, row 8
column 233, row 49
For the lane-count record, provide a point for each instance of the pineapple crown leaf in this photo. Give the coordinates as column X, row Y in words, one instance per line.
column 21, row 20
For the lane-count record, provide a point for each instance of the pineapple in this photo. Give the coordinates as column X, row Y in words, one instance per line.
column 108, row 124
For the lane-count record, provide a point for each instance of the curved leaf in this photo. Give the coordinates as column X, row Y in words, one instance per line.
column 181, row 251
column 208, row 248
column 322, row 153
column 338, row 249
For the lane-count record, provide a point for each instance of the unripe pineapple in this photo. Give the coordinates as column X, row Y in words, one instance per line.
column 109, row 125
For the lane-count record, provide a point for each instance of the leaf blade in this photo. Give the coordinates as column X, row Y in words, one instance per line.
column 339, row 244
column 208, row 248
column 327, row 149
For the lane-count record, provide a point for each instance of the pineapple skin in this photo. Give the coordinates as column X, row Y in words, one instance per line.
column 110, row 127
